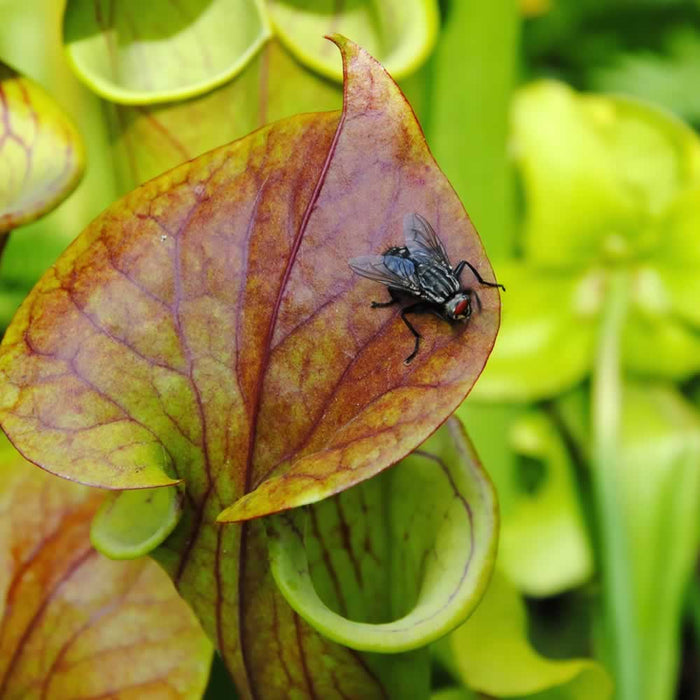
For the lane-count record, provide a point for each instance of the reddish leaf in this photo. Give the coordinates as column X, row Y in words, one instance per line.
column 208, row 328
column 74, row 624
column 245, row 329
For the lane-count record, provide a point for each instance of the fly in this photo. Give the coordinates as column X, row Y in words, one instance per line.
column 421, row 270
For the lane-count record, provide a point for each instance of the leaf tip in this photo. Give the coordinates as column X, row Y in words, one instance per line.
column 343, row 43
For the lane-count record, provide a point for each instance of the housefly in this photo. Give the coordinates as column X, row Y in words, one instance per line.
column 421, row 270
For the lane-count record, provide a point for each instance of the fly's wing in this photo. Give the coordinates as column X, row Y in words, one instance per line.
column 391, row 270
column 423, row 243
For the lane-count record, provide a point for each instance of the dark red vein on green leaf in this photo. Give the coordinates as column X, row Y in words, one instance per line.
column 360, row 659
column 347, row 542
column 328, row 400
column 302, row 656
column 255, row 413
column 250, row 227
column 325, row 554
column 266, row 350
column 189, row 359
column 278, row 641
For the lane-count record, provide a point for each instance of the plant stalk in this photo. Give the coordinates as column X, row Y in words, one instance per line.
column 621, row 641
column 473, row 74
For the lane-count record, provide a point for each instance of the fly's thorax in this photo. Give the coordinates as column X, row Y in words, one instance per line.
column 459, row 307
column 437, row 283
column 399, row 252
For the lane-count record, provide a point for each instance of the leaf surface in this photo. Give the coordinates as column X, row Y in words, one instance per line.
column 138, row 53
column 73, row 623
column 41, row 153
column 439, row 512
column 254, row 243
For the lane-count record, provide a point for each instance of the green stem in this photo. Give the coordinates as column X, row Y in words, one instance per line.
column 472, row 78
column 618, row 595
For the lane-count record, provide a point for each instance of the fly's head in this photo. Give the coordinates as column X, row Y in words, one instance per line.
column 459, row 307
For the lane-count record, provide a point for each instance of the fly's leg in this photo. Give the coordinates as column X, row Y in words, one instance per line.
column 458, row 271
column 420, row 307
column 382, row 304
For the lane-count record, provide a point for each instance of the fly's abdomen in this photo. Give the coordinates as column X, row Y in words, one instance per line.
column 437, row 284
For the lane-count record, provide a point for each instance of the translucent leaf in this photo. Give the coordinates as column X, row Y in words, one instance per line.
column 138, row 53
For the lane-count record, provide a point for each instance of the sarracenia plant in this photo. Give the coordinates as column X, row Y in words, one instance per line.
column 203, row 350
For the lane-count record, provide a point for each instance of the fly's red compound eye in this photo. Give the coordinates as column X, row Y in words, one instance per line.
column 461, row 308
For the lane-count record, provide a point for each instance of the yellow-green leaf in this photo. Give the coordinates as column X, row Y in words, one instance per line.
column 399, row 33
column 41, row 153
column 136, row 52
column 493, row 655
column 545, row 344
column 598, row 175
column 130, row 524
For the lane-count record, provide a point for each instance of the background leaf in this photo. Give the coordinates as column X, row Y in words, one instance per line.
column 596, row 182
column 398, row 33
column 150, row 139
column 544, row 543
column 660, row 77
column 470, row 79
column 40, row 151
column 658, row 485
column 73, row 623
column 133, row 53
column 497, row 632
column 29, row 41
column 419, row 541
column 545, row 344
